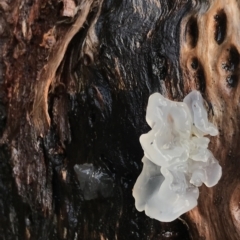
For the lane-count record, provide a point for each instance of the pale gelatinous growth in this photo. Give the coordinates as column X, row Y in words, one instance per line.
column 176, row 157
column 94, row 182
column 199, row 115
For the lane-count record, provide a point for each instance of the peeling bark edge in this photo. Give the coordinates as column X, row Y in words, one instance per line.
column 40, row 114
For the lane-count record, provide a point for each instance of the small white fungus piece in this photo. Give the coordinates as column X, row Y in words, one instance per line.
column 94, row 182
column 176, row 157
column 199, row 115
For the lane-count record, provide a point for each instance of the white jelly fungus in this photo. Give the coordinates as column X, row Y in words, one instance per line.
column 94, row 182
column 176, row 157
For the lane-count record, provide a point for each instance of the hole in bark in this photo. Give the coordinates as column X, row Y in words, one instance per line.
column 200, row 78
column 232, row 81
column 233, row 57
column 220, row 26
column 194, row 63
column 232, row 60
column 192, row 32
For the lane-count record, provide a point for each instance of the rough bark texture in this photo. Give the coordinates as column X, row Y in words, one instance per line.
column 75, row 77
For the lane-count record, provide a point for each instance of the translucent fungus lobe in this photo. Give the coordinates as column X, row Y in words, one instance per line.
column 176, row 157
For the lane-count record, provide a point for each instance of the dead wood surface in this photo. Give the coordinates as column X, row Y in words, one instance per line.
column 75, row 77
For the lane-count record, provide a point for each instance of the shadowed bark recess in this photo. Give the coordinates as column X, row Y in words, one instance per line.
column 75, row 77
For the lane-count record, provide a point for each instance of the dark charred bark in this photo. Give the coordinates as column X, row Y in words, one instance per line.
column 75, row 77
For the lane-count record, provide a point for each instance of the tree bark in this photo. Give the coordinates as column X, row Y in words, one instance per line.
column 75, row 77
